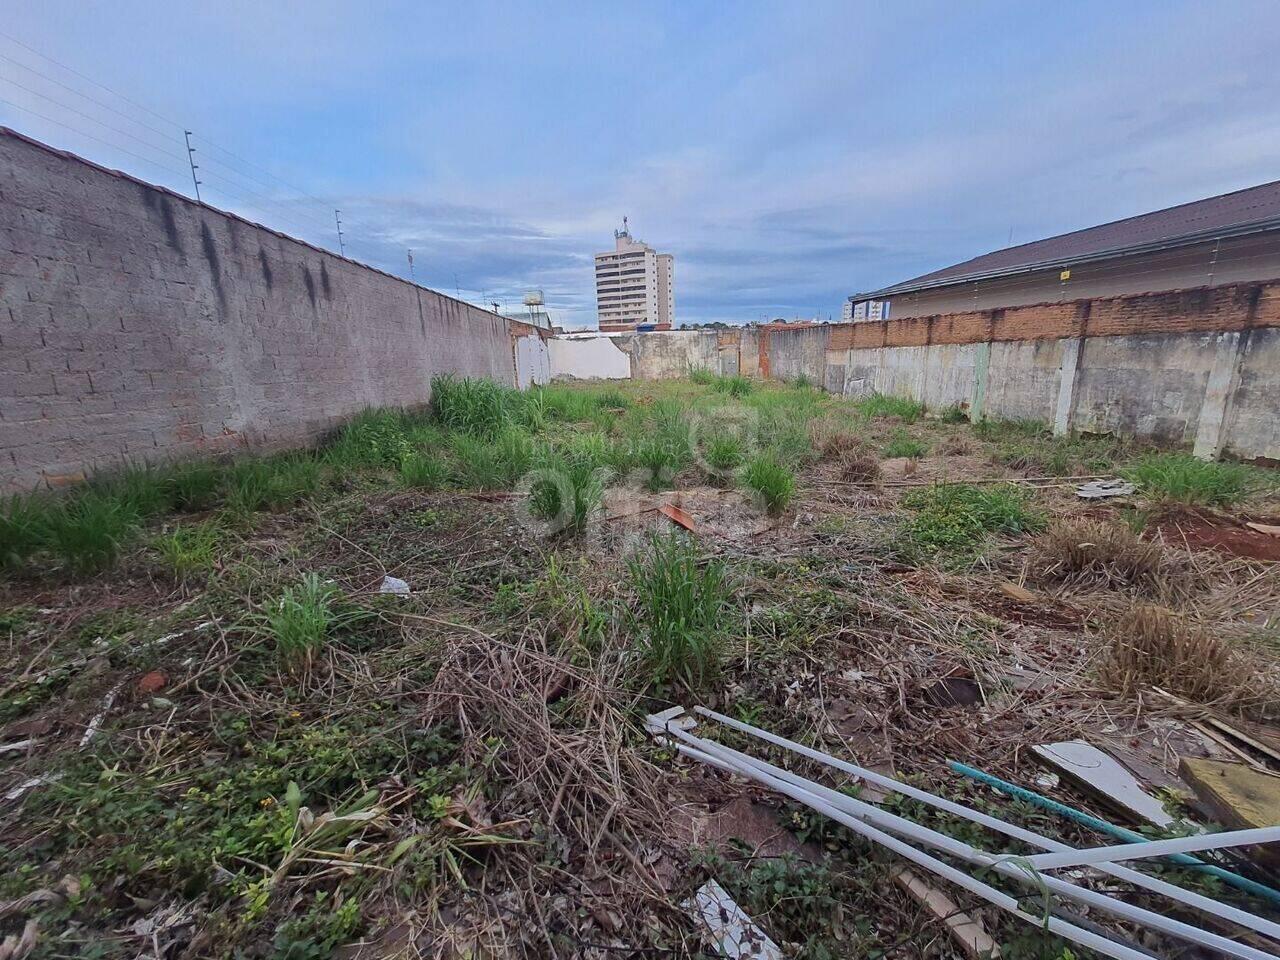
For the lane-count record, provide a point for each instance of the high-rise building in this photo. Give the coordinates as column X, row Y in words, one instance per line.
column 635, row 286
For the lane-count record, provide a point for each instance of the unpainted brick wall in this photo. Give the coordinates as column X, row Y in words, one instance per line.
column 138, row 325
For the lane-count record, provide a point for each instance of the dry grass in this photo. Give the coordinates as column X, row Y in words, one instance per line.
column 1152, row 646
column 833, row 439
column 1097, row 553
column 859, row 466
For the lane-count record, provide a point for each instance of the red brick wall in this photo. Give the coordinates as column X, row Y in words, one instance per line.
column 1200, row 310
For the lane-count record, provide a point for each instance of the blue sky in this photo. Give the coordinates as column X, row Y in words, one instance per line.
column 788, row 154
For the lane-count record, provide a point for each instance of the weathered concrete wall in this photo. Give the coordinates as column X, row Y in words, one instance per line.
column 1022, row 380
column 797, row 352
column 533, row 360
column 664, row 355
column 1254, row 408
column 1151, row 386
column 1198, row 367
column 596, row 358
column 138, row 325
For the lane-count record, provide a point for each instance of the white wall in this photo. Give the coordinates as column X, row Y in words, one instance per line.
column 597, row 358
column 533, row 361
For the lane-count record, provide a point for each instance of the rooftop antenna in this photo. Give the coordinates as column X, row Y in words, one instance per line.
column 191, row 159
column 413, row 276
column 337, row 218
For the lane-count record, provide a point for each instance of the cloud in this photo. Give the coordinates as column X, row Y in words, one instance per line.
column 786, row 155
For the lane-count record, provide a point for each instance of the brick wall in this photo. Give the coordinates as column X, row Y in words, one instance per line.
column 1201, row 310
column 136, row 324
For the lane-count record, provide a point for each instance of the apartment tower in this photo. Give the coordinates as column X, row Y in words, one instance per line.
column 635, row 286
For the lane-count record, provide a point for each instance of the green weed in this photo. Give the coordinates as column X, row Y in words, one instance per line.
column 684, row 605
column 374, row 438
column 303, row 619
column 952, row 521
column 24, row 523
column 723, row 455
column 566, row 492
column 87, row 531
column 902, row 444
column 1187, row 479
column 189, row 550
column 734, row 386
column 478, row 466
column 423, row 471
column 144, row 490
column 883, row 406
column 702, row 376
column 954, row 414
column 772, row 481
column 477, row 407
column 195, row 486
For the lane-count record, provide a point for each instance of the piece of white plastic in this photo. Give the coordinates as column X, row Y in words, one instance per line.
column 394, row 585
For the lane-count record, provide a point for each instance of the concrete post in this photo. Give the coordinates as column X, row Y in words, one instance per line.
column 1067, row 385
column 981, row 367
column 1224, row 377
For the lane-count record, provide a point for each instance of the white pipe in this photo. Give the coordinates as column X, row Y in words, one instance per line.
column 1155, row 848
column 961, row 879
column 1002, row 865
column 1192, row 899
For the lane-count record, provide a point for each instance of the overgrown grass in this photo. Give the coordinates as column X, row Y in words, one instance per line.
column 88, row 531
column 884, row 406
column 735, row 386
column 195, row 486
column 772, row 482
column 902, row 444
column 478, row 407
column 189, row 550
column 24, row 521
column 301, row 621
column 1084, row 551
column 951, row 522
column 702, row 376
column 254, row 485
column 723, row 455
column 374, row 438
column 683, row 611
column 567, row 490
column 1185, row 479
column 423, row 471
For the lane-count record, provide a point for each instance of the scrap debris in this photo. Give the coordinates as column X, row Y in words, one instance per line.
column 969, row 934
column 1104, row 777
column 727, row 926
column 674, row 513
column 911, row 840
column 1239, row 796
column 394, row 585
column 1102, row 489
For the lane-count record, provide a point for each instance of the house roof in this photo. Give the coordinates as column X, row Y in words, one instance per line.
column 1229, row 214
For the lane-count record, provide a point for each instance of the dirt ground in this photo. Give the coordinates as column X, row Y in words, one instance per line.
column 463, row 771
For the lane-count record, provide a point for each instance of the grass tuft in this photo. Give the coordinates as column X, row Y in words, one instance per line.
column 902, row 444
column 189, row 550
column 195, row 486
column 423, row 471
column 1082, row 551
column 773, row 482
column 1186, row 479
column 301, row 621
column 735, row 386
column 477, row 407
column 374, row 438
column 24, row 521
column 682, row 614
column 88, row 531
column 1151, row 646
column 883, row 406
column 951, row 521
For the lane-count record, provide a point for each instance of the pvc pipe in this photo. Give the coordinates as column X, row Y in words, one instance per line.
column 1154, row 884
column 941, row 841
column 1102, row 826
column 1069, row 931
column 1156, row 848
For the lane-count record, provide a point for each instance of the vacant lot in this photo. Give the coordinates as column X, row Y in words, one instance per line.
column 221, row 739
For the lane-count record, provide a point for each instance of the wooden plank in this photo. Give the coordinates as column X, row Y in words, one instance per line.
column 679, row 516
column 967, row 932
column 1100, row 773
column 1240, row 796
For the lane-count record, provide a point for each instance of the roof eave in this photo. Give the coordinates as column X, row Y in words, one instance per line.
column 1244, row 229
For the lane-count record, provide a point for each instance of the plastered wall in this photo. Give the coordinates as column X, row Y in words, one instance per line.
column 138, row 325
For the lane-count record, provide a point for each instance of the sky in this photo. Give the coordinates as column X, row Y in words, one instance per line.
column 787, row 154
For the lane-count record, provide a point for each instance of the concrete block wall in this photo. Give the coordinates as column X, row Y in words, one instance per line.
column 1186, row 367
column 136, row 324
